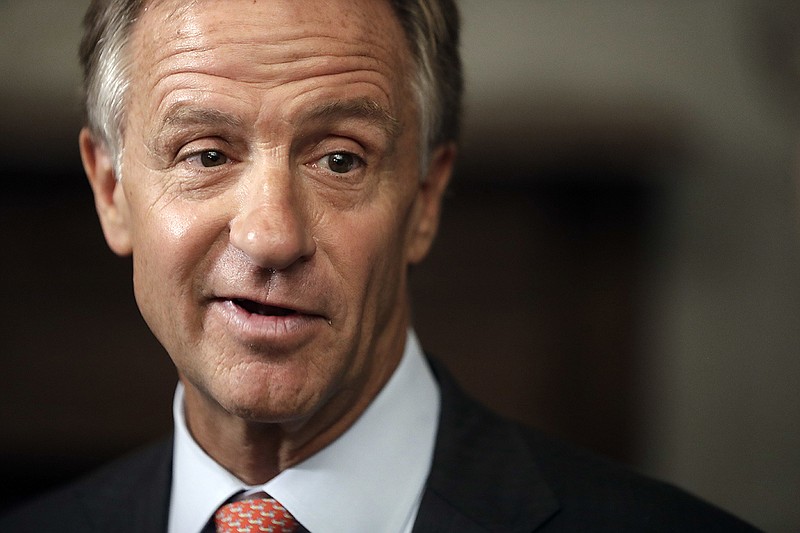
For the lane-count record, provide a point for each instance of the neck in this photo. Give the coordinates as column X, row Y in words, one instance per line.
column 255, row 451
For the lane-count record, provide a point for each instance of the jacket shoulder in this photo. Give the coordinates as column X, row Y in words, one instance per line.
column 532, row 482
column 595, row 493
column 129, row 494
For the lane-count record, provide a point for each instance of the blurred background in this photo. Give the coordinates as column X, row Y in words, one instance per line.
column 619, row 262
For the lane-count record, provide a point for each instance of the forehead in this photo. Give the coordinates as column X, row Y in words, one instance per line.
column 269, row 42
column 370, row 19
column 282, row 16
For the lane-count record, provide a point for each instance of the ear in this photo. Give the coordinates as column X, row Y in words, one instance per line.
column 109, row 195
column 428, row 204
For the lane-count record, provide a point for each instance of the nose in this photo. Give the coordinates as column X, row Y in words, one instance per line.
column 271, row 224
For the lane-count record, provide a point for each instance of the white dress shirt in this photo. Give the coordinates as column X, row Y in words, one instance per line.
column 369, row 479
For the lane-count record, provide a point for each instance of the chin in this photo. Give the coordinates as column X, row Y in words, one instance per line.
column 268, row 400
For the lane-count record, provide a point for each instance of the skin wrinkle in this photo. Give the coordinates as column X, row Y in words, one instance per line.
column 416, row 57
column 197, row 66
column 315, row 242
column 193, row 44
column 293, row 58
column 360, row 108
column 260, row 85
column 355, row 109
column 182, row 116
column 280, row 63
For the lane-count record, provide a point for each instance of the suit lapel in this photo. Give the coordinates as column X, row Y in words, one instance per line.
column 483, row 476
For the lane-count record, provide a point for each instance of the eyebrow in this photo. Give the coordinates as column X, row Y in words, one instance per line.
column 183, row 116
column 358, row 108
column 188, row 115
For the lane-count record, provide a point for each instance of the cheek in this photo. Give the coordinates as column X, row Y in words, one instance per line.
column 163, row 236
column 369, row 256
column 176, row 225
column 170, row 241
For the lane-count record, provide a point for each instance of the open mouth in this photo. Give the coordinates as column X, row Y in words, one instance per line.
column 256, row 308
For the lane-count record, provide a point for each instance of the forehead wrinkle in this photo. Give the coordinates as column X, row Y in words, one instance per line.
column 225, row 60
column 187, row 45
column 182, row 31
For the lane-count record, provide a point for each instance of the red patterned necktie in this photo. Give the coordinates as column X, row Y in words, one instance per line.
column 254, row 515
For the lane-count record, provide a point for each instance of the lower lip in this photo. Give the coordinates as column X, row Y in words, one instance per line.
column 273, row 331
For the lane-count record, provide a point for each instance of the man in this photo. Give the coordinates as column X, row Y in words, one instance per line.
column 274, row 167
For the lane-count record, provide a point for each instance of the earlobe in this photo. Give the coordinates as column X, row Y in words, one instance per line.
column 109, row 196
column 429, row 202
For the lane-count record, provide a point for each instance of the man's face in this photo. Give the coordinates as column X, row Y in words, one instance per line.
column 271, row 198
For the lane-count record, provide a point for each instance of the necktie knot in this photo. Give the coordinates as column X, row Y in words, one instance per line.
column 254, row 515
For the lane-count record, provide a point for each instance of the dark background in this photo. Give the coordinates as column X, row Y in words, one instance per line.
column 617, row 263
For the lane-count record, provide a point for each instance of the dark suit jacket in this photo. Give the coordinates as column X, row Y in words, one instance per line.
column 488, row 474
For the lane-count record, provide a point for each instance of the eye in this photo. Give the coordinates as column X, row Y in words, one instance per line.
column 340, row 162
column 212, row 158
column 208, row 158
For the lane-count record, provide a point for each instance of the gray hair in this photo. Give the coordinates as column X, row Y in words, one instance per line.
column 431, row 28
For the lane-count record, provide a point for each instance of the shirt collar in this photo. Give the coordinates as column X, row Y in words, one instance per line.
column 369, row 479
